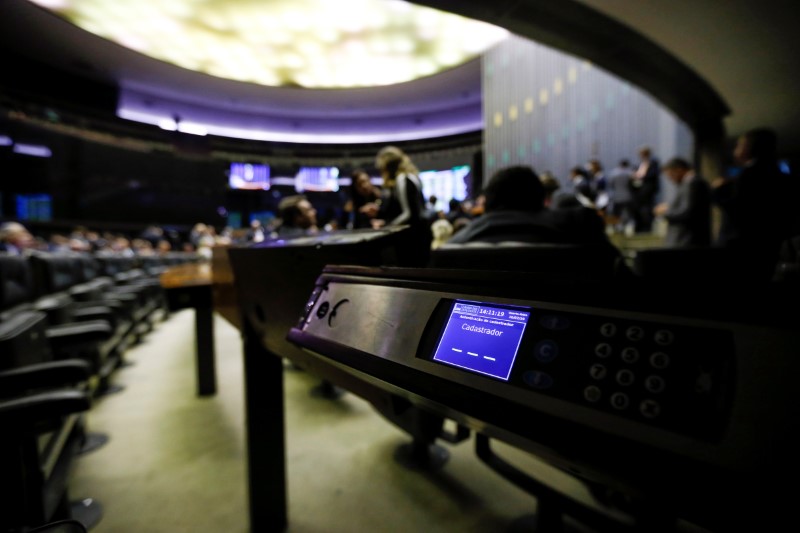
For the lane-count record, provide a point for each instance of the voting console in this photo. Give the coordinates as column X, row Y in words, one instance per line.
column 684, row 402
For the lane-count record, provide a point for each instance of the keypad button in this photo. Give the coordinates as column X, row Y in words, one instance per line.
column 537, row 380
column 620, row 400
column 664, row 337
column 655, row 384
column 554, row 322
column 659, row 360
column 592, row 394
column 625, row 377
column 634, row 333
column 603, row 350
column 650, row 408
column 545, row 351
column 630, row 354
column 609, row 329
column 704, row 383
column 598, row 371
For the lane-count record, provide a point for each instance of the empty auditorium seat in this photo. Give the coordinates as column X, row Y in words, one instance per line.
column 42, row 430
column 41, row 425
column 71, row 330
column 130, row 278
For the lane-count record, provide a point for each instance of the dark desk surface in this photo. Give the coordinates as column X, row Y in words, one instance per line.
column 190, row 274
column 217, row 275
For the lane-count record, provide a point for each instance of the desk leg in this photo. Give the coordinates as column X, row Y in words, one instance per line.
column 204, row 333
column 265, row 434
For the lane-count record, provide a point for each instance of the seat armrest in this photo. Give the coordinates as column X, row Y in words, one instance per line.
column 43, row 375
column 32, row 409
column 57, row 307
column 90, row 331
column 82, row 313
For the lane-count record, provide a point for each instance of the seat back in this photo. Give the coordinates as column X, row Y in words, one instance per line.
column 16, row 281
column 54, row 273
column 23, row 340
column 584, row 259
column 88, row 268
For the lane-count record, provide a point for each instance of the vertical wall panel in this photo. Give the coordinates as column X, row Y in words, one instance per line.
column 553, row 111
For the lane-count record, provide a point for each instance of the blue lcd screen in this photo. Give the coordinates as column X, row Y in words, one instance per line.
column 482, row 338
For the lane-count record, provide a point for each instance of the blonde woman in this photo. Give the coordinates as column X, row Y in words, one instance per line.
column 402, row 204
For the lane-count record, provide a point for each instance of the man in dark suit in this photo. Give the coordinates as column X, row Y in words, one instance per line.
column 644, row 186
column 515, row 211
column 688, row 213
column 758, row 205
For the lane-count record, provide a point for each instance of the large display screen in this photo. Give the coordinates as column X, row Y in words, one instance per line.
column 254, row 177
column 445, row 185
column 318, row 179
column 482, row 338
column 35, row 207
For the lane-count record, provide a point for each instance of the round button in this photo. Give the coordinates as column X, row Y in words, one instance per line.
column 659, row 360
column 537, row 380
column 619, row 400
column 650, row 408
column 634, row 333
column 655, row 384
column 630, row 354
column 609, row 329
column 545, row 351
column 598, row 371
column 603, row 350
column 664, row 337
column 592, row 394
column 625, row 377
column 322, row 310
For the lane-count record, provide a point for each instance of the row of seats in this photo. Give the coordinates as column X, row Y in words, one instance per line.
column 66, row 321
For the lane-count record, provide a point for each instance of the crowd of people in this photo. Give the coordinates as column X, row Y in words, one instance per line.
column 517, row 204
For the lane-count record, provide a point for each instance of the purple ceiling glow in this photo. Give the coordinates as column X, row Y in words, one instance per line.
column 448, row 103
column 197, row 119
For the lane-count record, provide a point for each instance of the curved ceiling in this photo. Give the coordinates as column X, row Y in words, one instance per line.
column 302, row 43
column 153, row 91
column 714, row 63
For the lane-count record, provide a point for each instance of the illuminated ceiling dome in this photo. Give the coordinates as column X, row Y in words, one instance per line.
column 284, row 43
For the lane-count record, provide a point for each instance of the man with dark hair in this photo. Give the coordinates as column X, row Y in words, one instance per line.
column 688, row 213
column 757, row 205
column 515, row 211
column 298, row 217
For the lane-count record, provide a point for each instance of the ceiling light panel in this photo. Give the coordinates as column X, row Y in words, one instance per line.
column 307, row 43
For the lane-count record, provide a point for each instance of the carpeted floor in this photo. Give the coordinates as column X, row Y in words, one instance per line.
column 176, row 462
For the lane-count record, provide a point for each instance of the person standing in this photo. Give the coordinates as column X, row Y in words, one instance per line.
column 758, row 206
column 403, row 204
column 620, row 197
column 688, row 213
column 362, row 193
column 645, row 185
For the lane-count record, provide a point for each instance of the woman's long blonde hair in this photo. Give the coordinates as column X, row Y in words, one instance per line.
column 392, row 161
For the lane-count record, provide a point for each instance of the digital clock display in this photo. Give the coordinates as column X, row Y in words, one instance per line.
column 482, row 338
